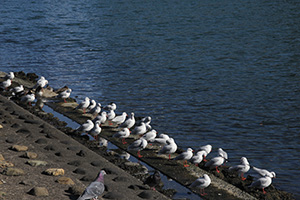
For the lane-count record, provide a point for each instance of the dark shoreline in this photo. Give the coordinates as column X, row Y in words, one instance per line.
column 174, row 169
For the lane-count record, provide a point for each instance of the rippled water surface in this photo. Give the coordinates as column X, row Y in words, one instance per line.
column 220, row 72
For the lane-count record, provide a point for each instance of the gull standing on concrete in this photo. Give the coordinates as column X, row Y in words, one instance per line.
column 262, row 183
column 150, row 135
column 186, row 155
column 16, row 91
column 28, row 98
column 5, row 84
column 111, row 114
column 96, row 110
column 207, row 148
column 84, row 104
column 198, row 157
column 242, row 168
column 65, row 94
column 263, row 172
column 96, row 130
column 86, row 127
column 153, row 180
column 120, row 118
column 124, row 133
column 138, row 145
column 139, row 129
column 160, row 140
column 128, row 123
column 215, row 162
column 102, row 117
column 223, row 154
column 95, row 189
column 110, row 106
column 201, row 183
column 10, row 76
column 92, row 105
column 169, row 148
column 41, row 82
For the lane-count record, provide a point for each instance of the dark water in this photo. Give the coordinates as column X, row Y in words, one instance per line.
column 205, row 71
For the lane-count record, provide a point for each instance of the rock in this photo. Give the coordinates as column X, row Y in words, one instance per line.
column 75, row 163
column 13, row 171
column 1, row 157
column 65, row 181
column 39, row 192
column 36, row 163
column 54, row 171
column 19, row 148
column 11, row 140
column 30, row 155
column 5, row 164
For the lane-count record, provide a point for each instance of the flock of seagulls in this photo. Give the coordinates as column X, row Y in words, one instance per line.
column 127, row 126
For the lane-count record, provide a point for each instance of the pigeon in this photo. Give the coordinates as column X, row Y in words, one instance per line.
column 262, row 183
column 138, row 145
column 201, row 183
column 242, row 168
column 86, row 127
column 95, row 189
column 120, row 118
column 186, row 155
column 84, row 104
column 65, row 94
column 128, row 123
column 263, row 172
column 198, row 157
column 124, row 133
column 169, row 148
column 153, row 180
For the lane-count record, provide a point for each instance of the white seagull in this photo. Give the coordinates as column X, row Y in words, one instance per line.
column 150, row 135
column 128, row 123
column 10, row 76
column 186, row 155
column 84, row 104
column 5, row 84
column 262, row 183
column 242, row 168
column 41, row 82
column 96, row 130
column 215, row 162
column 120, row 118
column 92, row 105
column 207, row 148
column 139, row 129
column 263, row 172
column 102, row 117
column 169, row 148
column 65, row 94
column 124, row 133
column 110, row 106
column 198, row 157
column 160, row 140
column 223, row 154
column 96, row 110
column 201, row 183
column 111, row 114
column 28, row 98
column 86, row 127
column 138, row 145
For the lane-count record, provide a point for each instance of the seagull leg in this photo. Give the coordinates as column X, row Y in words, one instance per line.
column 139, row 154
column 242, row 177
column 65, row 101
column 169, row 156
column 264, row 191
column 123, row 141
column 185, row 164
column 204, row 159
column 217, row 169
